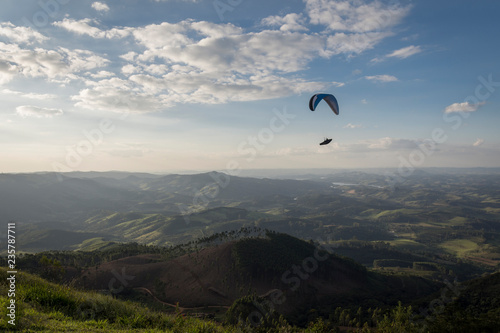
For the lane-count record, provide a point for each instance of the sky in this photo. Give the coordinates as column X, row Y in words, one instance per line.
column 179, row 85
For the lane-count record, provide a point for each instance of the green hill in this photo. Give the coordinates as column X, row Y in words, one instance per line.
column 267, row 266
column 42, row 306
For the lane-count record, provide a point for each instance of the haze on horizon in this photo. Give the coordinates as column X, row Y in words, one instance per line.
column 162, row 85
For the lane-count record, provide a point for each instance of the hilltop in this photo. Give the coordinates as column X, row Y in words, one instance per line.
column 295, row 273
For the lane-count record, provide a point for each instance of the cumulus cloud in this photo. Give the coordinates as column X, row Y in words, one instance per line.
column 100, row 7
column 203, row 62
column 37, row 112
column 7, row 71
column 355, row 16
column 50, row 64
column 20, row 34
column 87, row 27
column 382, row 78
column 206, row 63
column 81, row 27
column 116, row 95
column 463, row 107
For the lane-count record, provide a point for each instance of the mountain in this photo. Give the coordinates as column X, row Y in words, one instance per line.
column 42, row 197
column 72, row 197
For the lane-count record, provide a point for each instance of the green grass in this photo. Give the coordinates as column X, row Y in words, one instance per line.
column 458, row 221
column 460, row 247
column 42, row 306
column 402, row 214
column 407, row 244
column 94, row 244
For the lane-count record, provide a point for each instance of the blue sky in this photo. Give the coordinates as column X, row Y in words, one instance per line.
column 175, row 85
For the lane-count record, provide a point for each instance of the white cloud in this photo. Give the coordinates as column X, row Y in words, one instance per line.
column 116, row 95
column 40, row 96
column 207, row 63
column 37, row 112
column 100, row 74
column 7, row 71
column 203, row 62
column 405, row 52
column 401, row 53
column 31, row 63
column 50, row 64
column 81, row 27
column 20, row 34
column 355, row 16
column 10, row 92
column 353, row 43
column 100, row 7
column 81, row 60
column 289, row 22
column 84, row 27
column 382, row 78
column 225, row 49
column 28, row 95
column 478, row 142
column 463, row 107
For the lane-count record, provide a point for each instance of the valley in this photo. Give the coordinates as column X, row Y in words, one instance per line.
column 224, row 247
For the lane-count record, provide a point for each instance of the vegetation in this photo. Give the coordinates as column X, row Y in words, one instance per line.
column 45, row 306
column 390, row 250
column 253, row 254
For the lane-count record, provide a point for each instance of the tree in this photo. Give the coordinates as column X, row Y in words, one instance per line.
column 398, row 321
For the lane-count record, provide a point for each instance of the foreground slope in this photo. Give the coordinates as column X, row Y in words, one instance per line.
column 42, row 306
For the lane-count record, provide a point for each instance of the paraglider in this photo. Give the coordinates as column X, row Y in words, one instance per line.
column 328, row 98
column 327, row 141
column 332, row 103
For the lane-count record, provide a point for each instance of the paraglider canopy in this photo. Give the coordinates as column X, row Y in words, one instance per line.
column 329, row 99
column 327, row 141
column 332, row 103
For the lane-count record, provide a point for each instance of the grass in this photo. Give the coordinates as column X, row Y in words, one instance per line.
column 42, row 306
column 458, row 221
column 94, row 244
column 407, row 244
column 460, row 247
